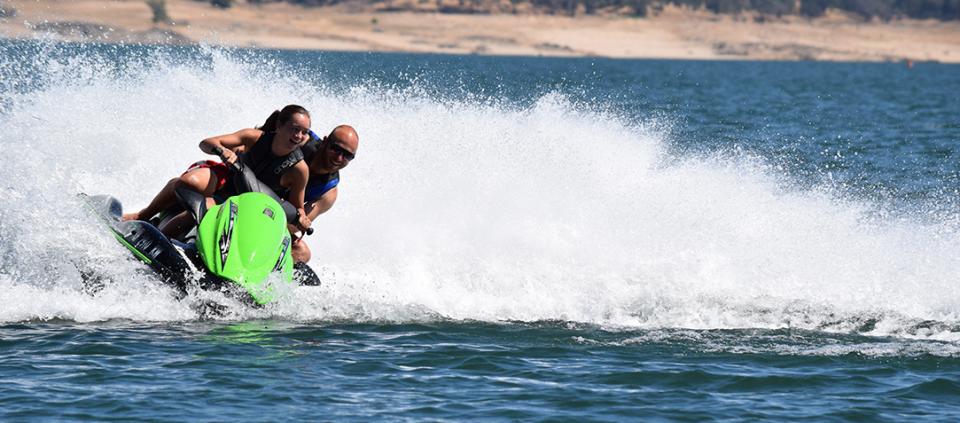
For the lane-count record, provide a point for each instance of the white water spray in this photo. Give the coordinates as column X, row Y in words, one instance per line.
column 465, row 210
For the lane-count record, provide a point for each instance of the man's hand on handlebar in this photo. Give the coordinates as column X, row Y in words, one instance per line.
column 303, row 221
column 302, row 225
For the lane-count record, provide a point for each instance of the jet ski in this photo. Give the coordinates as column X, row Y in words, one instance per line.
column 236, row 246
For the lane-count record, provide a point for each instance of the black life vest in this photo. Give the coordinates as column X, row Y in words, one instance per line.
column 268, row 167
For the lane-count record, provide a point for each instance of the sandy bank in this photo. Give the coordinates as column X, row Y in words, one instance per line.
column 674, row 33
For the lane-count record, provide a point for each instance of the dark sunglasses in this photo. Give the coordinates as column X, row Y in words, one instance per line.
column 342, row 151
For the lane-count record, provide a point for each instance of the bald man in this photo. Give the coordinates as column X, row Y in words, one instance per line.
column 325, row 157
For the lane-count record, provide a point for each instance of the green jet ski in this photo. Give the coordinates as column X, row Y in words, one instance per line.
column 235, row 247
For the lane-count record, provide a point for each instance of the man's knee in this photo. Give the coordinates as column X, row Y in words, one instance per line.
column 300, row 252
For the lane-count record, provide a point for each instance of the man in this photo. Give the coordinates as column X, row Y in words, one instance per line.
column 325, row 158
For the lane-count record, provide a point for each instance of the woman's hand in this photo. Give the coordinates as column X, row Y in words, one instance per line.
column 227, row 155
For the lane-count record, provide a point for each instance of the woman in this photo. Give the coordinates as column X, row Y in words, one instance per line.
column 272, row 151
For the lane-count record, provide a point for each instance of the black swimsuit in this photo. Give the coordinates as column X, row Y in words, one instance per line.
column 268, row 167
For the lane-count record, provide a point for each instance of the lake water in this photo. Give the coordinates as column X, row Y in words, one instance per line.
column 518, row 239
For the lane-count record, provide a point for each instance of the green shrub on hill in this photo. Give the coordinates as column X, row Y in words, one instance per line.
column 159, row 9
column 7, row 11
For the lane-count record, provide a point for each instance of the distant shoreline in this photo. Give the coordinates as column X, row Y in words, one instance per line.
column 674, row 33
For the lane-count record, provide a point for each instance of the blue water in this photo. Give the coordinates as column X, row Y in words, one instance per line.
column 518, row 239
